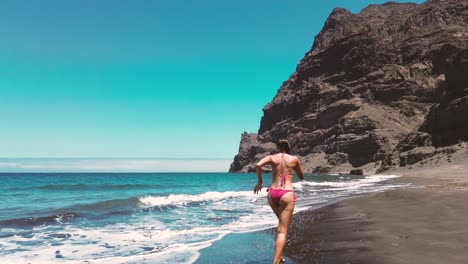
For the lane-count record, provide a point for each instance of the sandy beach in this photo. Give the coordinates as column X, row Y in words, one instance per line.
column 424, row 224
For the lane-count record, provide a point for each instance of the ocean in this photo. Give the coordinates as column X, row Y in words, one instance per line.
column 149, row 217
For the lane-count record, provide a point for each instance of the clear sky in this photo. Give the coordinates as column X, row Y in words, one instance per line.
column 145, row 79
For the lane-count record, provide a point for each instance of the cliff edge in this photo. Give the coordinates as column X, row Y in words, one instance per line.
column 383, row 88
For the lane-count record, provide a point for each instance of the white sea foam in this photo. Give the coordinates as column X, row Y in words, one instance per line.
column 122, row 243
column 351, row 184
column 177, row 241
column 183, row 199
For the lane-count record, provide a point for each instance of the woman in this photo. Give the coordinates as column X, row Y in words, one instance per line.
column 281, row 196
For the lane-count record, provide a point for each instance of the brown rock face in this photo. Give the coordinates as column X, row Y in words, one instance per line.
column 447, row 121
column 250, row 149
column 390, row 79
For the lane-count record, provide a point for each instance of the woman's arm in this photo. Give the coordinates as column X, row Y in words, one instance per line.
column 258, row 168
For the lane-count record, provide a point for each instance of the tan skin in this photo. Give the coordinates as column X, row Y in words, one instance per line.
column 288, row 165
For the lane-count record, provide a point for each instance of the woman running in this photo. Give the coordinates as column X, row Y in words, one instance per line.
column 281, row 196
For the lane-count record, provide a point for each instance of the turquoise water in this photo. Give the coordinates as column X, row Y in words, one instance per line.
column 144, row 217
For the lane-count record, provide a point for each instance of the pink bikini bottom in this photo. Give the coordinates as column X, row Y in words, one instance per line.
column 276, row 194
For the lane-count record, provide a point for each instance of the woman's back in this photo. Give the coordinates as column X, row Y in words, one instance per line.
column 284, row 167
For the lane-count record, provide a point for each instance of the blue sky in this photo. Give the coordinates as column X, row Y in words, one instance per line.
column 145, row 79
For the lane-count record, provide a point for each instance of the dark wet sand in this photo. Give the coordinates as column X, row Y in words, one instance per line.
column 426, row 225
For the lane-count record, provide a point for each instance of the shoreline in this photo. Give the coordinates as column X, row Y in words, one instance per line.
column 257, row 246
column 408, row 225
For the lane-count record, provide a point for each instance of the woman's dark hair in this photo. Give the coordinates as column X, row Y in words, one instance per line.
column 283, row 145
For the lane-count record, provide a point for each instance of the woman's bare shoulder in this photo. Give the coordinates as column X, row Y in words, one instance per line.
column 295, row 158
column 275, row 156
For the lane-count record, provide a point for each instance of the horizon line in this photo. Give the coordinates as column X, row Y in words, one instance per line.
column 129, row 158
column 105, row 172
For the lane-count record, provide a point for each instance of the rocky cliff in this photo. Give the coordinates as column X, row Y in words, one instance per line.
column 382, row 88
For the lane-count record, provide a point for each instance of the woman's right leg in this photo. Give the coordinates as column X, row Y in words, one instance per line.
column 286, row 209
